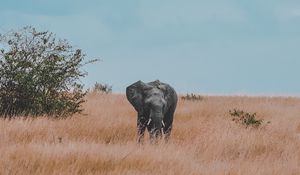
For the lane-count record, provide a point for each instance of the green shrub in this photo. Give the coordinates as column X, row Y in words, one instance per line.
column 192, row 97
column 39, row 74
column 245, row 118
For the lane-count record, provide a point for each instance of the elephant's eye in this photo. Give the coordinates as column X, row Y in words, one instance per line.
column 148, row 104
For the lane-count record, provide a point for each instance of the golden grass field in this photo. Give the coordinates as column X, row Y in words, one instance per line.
column 204, row 140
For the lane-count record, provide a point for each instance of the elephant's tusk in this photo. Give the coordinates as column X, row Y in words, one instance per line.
column 162, row 122
column 149, row 122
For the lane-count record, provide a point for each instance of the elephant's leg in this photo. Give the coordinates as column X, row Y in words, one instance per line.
column 141, row 127
column 151, row 133
column 167, row 132
column 155, row 134
column 168, row 120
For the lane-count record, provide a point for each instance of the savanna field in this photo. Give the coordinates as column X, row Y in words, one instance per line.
column 204, row 140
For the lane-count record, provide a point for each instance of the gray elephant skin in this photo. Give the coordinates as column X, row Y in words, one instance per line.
column 155, row 103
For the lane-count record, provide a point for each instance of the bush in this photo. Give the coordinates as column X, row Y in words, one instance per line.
column 39, row 74
column 245, row 118
column 102, row 88
column 192, row 97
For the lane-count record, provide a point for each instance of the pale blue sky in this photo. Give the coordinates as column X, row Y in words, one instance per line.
column 205, row 46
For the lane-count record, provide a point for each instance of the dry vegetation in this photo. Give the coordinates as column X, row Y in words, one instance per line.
column 204, row 140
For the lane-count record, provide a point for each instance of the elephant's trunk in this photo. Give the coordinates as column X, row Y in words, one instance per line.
column 156, row 123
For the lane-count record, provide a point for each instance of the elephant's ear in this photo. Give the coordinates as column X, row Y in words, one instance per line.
column 135, row 95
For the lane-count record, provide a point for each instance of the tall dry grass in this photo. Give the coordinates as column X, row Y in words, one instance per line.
column 204, row 140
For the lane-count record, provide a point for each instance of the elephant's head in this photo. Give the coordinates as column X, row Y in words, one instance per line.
column 150, row 103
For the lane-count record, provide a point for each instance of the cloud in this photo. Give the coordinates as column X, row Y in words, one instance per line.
column 155, row 14
column 287, row 11
column 82, row 28
column 293, row 12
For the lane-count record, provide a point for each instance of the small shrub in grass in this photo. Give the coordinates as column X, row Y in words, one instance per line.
column 102, row 88
column 245, row 118
column 192, row 97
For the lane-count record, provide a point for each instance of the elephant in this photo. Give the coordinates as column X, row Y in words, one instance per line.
column 155, row 103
